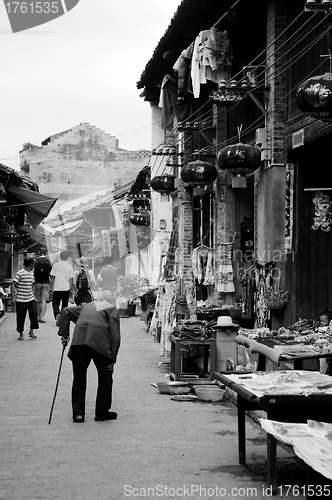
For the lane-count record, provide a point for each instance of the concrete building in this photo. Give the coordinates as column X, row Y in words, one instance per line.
column 80, row 161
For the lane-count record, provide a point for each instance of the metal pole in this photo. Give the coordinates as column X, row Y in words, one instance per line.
column 57, row 383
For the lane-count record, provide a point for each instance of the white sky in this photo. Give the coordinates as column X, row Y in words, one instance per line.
column 81, row 67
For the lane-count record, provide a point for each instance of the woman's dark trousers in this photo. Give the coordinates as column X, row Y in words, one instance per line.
column 81, row 356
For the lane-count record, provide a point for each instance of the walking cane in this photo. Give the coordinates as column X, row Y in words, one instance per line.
column 57, row 383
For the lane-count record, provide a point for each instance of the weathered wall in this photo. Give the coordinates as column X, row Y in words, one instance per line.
column 80, row 161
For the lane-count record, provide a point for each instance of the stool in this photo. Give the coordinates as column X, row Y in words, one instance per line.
column 176, row 357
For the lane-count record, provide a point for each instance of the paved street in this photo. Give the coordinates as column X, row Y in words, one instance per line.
column 156, row 443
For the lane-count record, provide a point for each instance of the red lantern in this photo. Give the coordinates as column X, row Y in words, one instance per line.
column 239, row 159
column 314, row 96
column 24, row 235
column 140, row 219
column 199, row 173
column 10, row 236
column 163, row 183
column 18, row 246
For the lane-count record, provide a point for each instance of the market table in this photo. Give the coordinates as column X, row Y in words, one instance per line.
column 296, row 408
column 209, row 346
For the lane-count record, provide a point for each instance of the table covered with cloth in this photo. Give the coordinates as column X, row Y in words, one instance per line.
column 286, row 396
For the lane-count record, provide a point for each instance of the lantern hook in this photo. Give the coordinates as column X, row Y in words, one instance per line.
column 239, row 131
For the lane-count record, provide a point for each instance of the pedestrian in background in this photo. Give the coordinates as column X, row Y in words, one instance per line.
column 108, row 276
column 62, row 283
column 84, row 282
column 96, row 337
column 42, row 271
column 23, row 285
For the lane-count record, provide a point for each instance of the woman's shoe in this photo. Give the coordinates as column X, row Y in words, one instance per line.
column 79, row 419
column 21, row 337
column 32, row 335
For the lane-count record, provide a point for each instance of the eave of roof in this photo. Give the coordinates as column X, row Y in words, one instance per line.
column 191, row 17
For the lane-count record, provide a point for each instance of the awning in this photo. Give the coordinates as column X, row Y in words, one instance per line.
column 68, row 228
column 37, row 205
column 39, row 237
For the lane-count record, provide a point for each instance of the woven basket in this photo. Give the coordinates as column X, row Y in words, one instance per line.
column 276, row 298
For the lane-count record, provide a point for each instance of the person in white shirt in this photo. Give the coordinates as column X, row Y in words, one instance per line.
column 62, row 283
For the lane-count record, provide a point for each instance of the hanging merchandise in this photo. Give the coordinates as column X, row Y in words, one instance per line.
column 170, row 265
column 247, row 281
column 263, row 281
column 202, row 265
column 225, row 283
column 323, row 212
column 181, row 300
column 247, row 237
column 167, row 316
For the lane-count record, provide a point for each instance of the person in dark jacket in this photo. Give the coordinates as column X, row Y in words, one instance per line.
column 96, row 337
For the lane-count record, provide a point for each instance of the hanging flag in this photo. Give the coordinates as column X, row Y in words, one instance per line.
column 121, row 215
column 106, row 242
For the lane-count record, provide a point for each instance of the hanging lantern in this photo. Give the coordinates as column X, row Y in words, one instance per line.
column 18, row 246
column 314, row 96
column 199, row 173
column 12, row 216
column 163, row 183
column 10, row 236
column 140, row 219
column 240, row 159
column 24, row 235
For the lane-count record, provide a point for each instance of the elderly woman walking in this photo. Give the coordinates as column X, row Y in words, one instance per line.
column 96, row 337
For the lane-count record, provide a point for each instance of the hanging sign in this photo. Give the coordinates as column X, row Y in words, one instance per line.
column 106, row 242
column 127, row 235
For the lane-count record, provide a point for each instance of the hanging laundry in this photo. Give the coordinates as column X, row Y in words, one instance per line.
column 168, row 103
column 211, row 59
column 182, row 67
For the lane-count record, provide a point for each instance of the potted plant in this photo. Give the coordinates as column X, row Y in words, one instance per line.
column 130, row 287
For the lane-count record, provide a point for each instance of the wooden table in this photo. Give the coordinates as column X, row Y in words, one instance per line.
column 288, row 408
column 176, row 355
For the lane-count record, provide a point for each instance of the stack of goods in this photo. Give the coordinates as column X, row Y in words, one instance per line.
column 193, row 330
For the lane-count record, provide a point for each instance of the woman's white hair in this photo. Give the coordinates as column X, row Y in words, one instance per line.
column 108, row 296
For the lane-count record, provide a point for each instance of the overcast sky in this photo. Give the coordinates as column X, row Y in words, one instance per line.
column 81, row 67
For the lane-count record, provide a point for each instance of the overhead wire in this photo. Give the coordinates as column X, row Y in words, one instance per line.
column 277, row 72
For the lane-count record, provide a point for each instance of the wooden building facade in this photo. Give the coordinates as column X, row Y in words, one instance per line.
column 271, row 219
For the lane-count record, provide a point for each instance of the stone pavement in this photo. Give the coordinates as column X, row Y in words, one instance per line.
column 158, row 448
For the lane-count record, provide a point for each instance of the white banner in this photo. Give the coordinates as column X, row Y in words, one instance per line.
column 127, row 238
column 106, row 242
